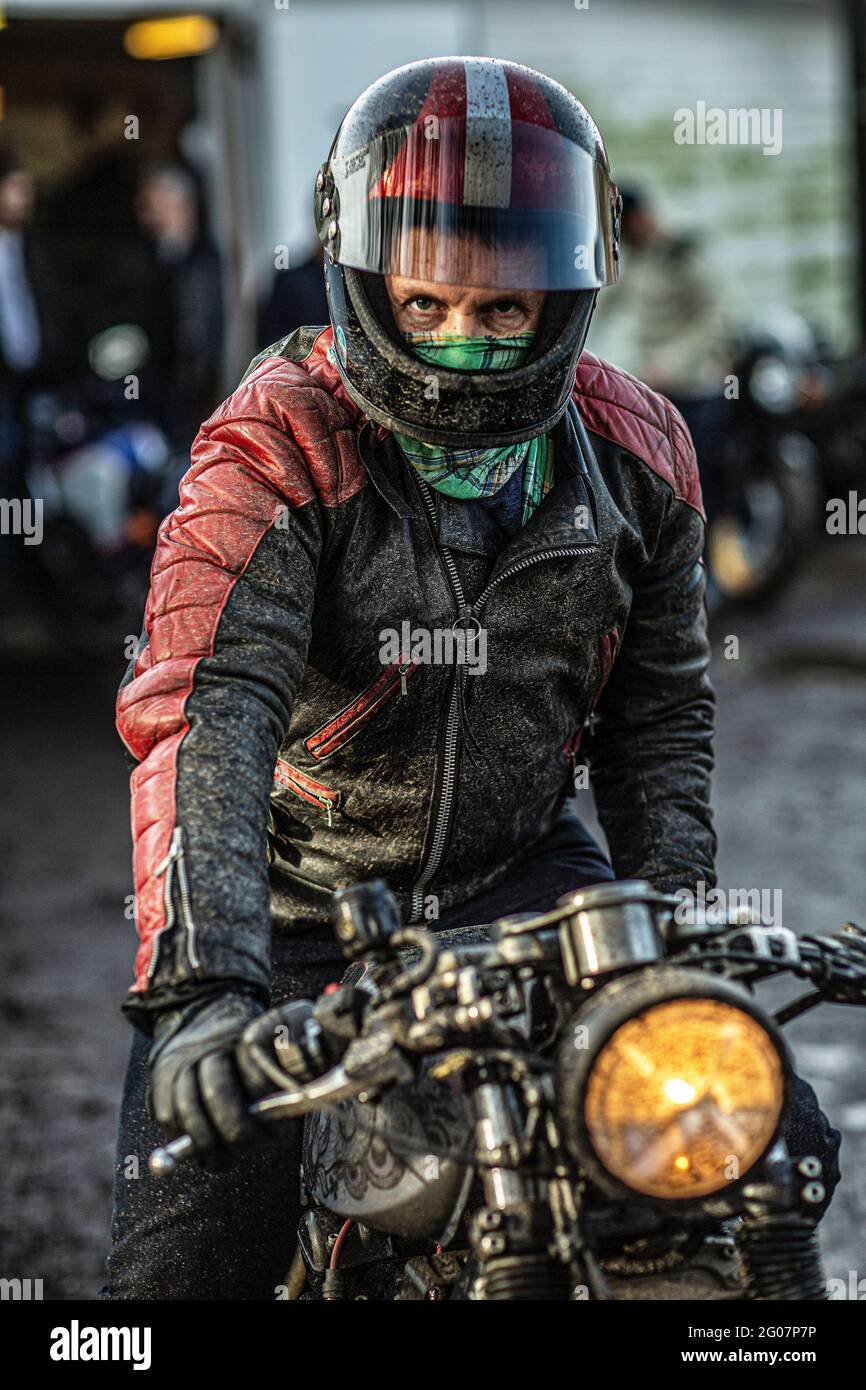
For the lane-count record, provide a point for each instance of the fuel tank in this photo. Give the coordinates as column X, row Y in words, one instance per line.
column 398, row 1164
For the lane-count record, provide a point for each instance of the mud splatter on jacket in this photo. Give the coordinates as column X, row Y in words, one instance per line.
column 278, row 758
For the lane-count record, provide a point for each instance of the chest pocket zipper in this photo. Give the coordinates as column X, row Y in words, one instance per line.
column 352, row 718
column 608, row 651
column 307, row 788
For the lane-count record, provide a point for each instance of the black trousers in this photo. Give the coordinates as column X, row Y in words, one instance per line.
column 231, row 1235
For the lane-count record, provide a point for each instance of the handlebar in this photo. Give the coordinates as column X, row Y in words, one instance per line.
column 837, row 965
column 335, row 1085
column 342, row 1082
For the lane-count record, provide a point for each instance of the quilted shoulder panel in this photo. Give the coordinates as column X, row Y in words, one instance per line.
column 620, row 408
column 305, row 405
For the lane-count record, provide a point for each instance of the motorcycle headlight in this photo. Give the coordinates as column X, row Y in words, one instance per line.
column 675, row 1086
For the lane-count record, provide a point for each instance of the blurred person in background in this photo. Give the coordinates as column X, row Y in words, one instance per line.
column 445, row 449
column 27, row 343
column 297, row 296
column 182, row 307
column 663, row 322
column 90, row 218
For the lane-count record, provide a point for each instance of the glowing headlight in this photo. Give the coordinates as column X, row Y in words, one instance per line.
column 681, row 1098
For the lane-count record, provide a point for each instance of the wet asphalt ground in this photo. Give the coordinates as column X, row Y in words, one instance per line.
column 790, row 798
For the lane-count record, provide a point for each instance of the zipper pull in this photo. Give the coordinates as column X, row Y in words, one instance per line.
column 173, row 852
column 403, row 671
column 469, row 624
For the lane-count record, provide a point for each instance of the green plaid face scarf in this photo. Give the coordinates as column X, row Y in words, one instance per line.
column 471, row 473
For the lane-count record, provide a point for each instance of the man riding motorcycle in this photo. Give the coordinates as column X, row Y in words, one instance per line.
column 440, row 474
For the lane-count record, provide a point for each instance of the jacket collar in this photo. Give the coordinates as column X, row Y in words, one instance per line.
column 468, row 527
column 463, row 525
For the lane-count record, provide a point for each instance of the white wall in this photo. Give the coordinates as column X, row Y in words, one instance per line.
column 778, row 227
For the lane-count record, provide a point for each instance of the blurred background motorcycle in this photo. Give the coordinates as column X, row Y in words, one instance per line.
column 106, row 476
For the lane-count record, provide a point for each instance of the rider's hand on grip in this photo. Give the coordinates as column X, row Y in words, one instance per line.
column 196, row 1087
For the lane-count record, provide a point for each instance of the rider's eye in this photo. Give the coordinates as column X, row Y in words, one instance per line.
column 422, row 302
column 505, row 306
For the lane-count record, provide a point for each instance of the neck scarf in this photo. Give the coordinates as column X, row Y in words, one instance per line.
column 479, row 473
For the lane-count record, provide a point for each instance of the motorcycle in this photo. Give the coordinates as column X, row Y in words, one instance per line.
column 762, row 473
column 583, row 1103
column 836, row 426
column 105, row 474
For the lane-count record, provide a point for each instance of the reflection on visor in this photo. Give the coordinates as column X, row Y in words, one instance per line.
column 522, row 207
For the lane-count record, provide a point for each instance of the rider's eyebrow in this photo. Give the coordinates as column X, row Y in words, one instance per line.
column 421, row 294
column 414, row 289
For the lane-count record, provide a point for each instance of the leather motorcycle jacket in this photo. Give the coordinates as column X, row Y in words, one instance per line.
column 299, row 711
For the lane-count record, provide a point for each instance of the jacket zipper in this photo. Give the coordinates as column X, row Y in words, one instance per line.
column 571, row 747
column 442, row 824
column 174, row 860
column 444, row 811
column 612, row 637
column 339, row 730
column 285, row 775
column 553, row 554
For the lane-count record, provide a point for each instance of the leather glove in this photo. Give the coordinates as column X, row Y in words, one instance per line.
column 195, row 1085
column 204, row 1068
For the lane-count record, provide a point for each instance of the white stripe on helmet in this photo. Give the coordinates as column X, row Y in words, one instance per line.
column 487, row 163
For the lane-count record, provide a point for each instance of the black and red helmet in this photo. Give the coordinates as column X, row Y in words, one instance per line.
column 466, row 171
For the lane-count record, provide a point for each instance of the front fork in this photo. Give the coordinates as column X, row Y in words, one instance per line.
column 523, row 1237
column 776, row 1239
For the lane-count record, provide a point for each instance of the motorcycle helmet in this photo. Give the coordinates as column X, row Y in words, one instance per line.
column 465, row 171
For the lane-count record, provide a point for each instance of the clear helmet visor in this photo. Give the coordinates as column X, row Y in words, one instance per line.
column 490, row 203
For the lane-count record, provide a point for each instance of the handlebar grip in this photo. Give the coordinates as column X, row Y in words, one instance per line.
column 333, row 1086
column 163, row 1161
